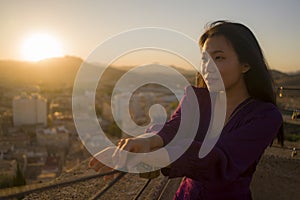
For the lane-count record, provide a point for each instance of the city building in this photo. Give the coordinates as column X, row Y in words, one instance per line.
column 29, row 110
column 53, row 137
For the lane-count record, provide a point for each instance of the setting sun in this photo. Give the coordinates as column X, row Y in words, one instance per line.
column 41, row 46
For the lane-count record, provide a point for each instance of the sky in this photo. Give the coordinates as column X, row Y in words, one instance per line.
column 80, row 26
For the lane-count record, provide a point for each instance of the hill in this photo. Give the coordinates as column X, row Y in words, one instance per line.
column 62, row 71
column 286, row 80
column 59, row 72
column 49, row 71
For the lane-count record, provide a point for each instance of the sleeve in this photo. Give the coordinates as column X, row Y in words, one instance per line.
column 234, row 153
column 168, row 130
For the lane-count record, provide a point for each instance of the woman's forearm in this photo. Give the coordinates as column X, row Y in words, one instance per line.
column 156, row 142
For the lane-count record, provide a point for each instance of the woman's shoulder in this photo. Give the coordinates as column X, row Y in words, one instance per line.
column 191, row 88
column 199, row 92
column 262, row 109
column 197, row 95
column 256, row 117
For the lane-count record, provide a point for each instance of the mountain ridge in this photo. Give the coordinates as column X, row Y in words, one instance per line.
column 63, row 70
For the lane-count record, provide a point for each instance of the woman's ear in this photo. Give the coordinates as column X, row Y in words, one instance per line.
column 245, row 68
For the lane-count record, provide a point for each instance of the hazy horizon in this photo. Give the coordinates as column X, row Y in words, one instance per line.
column 77, row 28
column 125, row 66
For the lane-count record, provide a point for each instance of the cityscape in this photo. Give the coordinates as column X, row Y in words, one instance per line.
column 51, row 112
column 39, row 142
column 38, row 135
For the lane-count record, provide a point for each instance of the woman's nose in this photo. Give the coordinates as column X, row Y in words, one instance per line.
column 209, row 66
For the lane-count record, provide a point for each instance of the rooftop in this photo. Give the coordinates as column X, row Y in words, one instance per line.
column 276, row 177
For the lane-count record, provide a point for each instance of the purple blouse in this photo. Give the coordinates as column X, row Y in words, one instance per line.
column 226, row 172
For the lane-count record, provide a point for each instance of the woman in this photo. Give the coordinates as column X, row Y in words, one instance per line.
column 252, row 119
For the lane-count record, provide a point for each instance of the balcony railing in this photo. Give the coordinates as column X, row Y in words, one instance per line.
column 160, row 185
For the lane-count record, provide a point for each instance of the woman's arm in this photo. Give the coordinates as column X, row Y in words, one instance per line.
column 235, row 152
column 187, row 107
column 158, row 136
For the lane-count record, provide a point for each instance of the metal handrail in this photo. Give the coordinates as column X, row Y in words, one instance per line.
column 287, row 88
column 108, row 186
column 281, row 89
column 28, row 189
column 142, row 190
column 24, row 190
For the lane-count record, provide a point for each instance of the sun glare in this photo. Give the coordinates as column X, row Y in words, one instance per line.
column 41, row 46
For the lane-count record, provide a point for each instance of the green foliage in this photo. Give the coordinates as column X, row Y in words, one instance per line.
column 174, row 105
column 19, row 179
column 5, row 181
column 292, row 137
column 99, row 110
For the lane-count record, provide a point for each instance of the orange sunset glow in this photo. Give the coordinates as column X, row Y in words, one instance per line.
column 40, row 46
column 94, row 95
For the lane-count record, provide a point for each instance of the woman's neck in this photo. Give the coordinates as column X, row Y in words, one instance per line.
column 235, row 96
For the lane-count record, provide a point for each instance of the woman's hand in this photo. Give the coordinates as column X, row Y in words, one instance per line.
column 115, row 157
column 136, row 145
column 100, row 159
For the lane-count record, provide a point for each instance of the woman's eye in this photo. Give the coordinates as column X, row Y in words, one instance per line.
column 219, row 58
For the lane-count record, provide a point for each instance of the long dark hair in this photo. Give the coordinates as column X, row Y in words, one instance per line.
column 258, row 79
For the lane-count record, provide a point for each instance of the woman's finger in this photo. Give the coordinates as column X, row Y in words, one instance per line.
column 106, row 169
column 93, row 162
column 103, row 157
column 119, row 158
column 99, row 166
column 121, row 143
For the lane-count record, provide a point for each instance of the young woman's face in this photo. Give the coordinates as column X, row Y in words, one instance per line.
column 226, row 60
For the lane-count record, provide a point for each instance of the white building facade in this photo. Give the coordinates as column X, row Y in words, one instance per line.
column 29, row 110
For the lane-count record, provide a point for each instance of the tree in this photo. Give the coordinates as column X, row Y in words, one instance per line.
column 114, row 130
column 5, row 181
column 19, row 179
